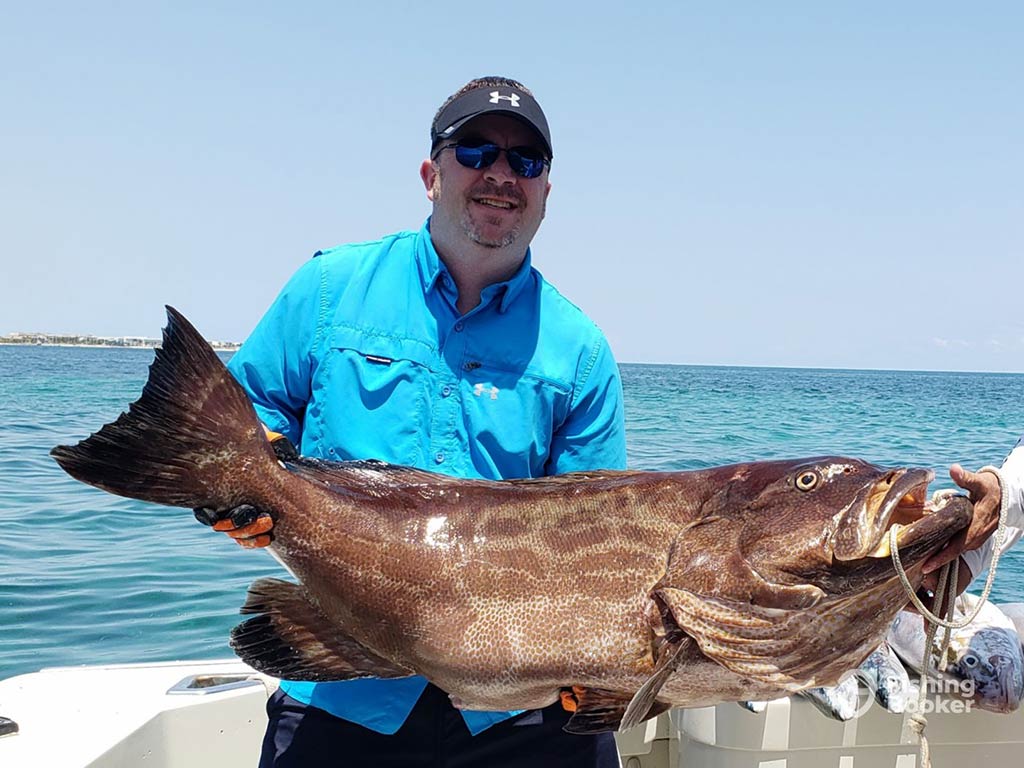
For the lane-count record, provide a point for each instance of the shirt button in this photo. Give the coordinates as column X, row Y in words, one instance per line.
column 438, row 458
column 447, row 281
column 459, row 326
column 445, row 391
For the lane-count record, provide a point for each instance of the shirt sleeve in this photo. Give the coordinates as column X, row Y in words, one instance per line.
column 274, row 364
column 1012, row 472
column 593, row 435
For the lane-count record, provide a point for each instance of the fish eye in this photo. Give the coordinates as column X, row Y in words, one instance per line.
column 807, row 480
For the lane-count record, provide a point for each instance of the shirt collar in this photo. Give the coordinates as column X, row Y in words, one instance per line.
column 432, row 269
column 512, row 287
column 427, row 260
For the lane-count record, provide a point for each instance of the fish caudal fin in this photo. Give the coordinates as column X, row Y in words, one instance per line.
column 291, row 639
column 186, row 441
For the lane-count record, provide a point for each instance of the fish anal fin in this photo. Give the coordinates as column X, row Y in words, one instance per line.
column 291, row 639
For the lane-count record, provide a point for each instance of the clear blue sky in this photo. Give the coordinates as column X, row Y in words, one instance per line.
column 751, row 183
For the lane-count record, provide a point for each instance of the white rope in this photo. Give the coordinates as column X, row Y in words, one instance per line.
column 1000, row 539
column 918, row 722
column 946, row 584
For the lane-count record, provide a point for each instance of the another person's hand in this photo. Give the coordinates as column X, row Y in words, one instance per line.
column 987, row 495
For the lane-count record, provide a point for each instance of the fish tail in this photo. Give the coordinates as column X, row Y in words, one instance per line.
column 190, row 440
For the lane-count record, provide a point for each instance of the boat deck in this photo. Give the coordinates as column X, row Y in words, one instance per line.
column 212, row 715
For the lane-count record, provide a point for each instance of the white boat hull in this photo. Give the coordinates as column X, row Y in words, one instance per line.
column 212, row 715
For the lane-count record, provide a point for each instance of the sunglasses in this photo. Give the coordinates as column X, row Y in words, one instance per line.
column 524, row 161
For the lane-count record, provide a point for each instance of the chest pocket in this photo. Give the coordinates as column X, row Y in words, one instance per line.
column 373, row 397
column 514, row 415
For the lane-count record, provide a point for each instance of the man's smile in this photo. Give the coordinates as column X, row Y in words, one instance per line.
column 494, row 202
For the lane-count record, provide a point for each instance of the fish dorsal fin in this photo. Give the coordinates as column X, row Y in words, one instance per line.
column 290, row 638
column 761, row 643
column 370, row 478
column 586, row 476
column 334, row 472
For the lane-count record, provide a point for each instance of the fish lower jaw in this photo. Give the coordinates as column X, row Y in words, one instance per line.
column 910, row 511
column 884, row 548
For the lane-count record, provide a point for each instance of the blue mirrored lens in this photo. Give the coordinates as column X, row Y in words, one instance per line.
column 477, row 157
column 524, row 161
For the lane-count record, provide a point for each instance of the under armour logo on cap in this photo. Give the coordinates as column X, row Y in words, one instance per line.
column 496, row 97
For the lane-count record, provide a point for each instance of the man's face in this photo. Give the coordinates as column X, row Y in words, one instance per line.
column 493, row 206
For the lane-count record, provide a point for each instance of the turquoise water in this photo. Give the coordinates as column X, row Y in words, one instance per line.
column 89, row 578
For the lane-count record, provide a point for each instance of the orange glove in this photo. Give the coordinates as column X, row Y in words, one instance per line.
column 250, row 527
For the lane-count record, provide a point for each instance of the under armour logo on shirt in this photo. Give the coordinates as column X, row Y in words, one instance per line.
column 479, row 389
column 513, row 99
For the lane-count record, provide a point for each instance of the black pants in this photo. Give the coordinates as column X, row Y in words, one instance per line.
column 435, row 735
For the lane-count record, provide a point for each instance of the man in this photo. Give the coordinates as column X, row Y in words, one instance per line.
column 441, row 349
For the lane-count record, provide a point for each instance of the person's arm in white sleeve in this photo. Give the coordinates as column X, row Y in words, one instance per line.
column 988, row 490
column 1011, row 475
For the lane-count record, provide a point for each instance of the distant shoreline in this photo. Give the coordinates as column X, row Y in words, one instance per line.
column 223, row 346
column 219, row 347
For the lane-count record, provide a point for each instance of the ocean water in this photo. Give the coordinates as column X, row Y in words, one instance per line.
column 88, row 578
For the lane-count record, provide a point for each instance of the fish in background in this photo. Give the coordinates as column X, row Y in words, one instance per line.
column 984, row 663
column 839, row 702
column 886, row 677
column 882, row 673
column 1015, row 613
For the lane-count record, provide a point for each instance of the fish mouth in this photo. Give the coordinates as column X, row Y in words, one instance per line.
column 1006, row 687
column 899, row 500
column 1013, row 685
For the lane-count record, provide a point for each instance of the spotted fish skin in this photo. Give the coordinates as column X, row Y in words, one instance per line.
column 642, row 589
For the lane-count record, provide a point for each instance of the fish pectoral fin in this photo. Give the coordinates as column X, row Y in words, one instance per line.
column 290, row 638
column 753, row 641
column 644, row 700
column 598, row 710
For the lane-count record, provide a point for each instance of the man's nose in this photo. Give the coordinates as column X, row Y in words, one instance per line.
column 500, row 172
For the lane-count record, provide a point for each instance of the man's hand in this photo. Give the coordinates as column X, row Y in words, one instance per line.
column 250, row 527
column 984, row 490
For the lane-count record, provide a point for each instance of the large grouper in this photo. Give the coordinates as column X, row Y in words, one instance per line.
column 636, row 591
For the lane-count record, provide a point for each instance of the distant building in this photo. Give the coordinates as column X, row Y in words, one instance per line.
column 70, row 340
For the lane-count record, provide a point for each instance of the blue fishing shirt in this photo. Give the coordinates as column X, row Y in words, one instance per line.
column 364, row 355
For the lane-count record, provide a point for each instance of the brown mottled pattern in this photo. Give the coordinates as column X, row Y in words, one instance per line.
column 501, row 593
